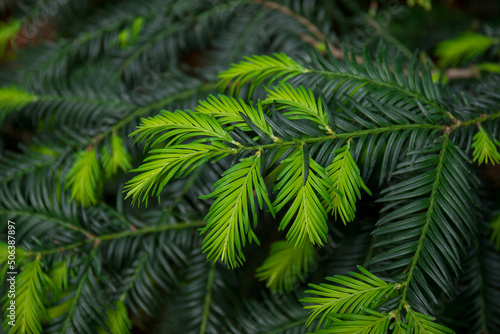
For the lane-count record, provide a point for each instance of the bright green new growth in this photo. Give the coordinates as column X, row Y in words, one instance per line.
column 489, row 67
column 380, row 323
column 8, row 32
column 463, row 48
column 115, row 156
column 177, row 127
column 228, row 220
column 300, row 104
column 166, row 164
column 257, row 69
column 12, row 99
column 303, row 186
column 348, row 305
column 495, row 233
column 285, row 265
column 59, row 278
column 4, row 255
column 30, row 300
column 360, row 292
column 237, row 112
column 426, row 4
column 373, row 323
column 128, row 36
column 84, row 178
column 484, row 149
column 346, row 181
column 304, row 182
column 418, row 323
column 118, row 321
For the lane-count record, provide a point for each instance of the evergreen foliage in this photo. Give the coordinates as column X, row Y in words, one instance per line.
column 163, row 158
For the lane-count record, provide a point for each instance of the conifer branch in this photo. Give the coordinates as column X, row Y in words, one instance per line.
column 117, row 235
column 67, row 224
column 425, row 228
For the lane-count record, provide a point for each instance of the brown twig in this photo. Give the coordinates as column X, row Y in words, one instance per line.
column 287, row 11
column 318, row 38
column 462, row 73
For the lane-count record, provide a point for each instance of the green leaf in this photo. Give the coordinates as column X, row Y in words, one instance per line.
column 115, row 156
column 178, row 127
column 345, row 177
column 300, row 104
column 304, row 181
column 12, row 98
column 30, row 302
column 257, row 69
column 166, row 164
column 348, row 295
column 118, row 321
column 463, row 48
column 85, row 178
column 285, row 265
column 484, row 148
column 228, row 219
